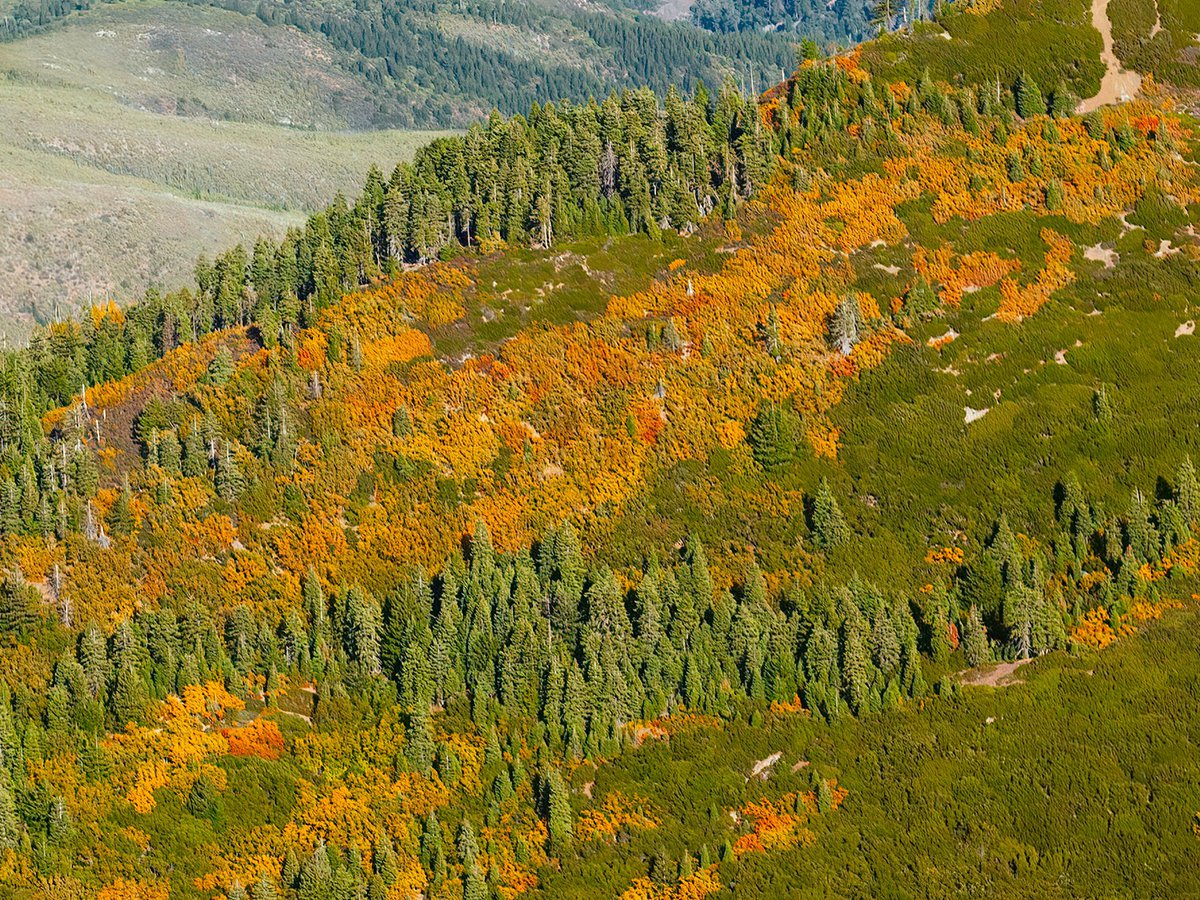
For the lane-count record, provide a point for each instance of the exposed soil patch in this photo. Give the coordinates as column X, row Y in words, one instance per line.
column 762, row 768
column 1101, row 254
column 1117, row 85
column 998, row 675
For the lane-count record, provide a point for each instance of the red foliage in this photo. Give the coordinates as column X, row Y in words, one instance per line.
column 260, row 738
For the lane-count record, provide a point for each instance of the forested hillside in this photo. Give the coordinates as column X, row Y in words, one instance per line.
column 660, row 496
column 157, row 129
column 428, row 64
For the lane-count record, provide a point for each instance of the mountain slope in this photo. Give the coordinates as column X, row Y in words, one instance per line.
column 621, row 550
column 140, row 135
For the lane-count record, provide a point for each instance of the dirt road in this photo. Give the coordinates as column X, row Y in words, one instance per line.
column 1118, row 85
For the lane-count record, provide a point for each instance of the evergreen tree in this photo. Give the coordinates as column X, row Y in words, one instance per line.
column 18, row 606
column 824, row 796
column 976, row 647
column 10, row 823
column 855, row 664
column 558, row 814
column 466, row 845
column 265, row 888
column 128, row 700
column 316, row 876
column 829, row 526
column 1030, row 101
column 419, row 744
column 772, row 435
column 230, row 481
column 845, row 325
column 1187, row 492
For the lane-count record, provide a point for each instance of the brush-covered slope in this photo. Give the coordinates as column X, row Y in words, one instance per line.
column 659, row 536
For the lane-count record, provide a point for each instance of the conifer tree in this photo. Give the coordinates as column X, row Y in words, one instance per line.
column 558, row 814
column 845, row 325
column 1030, row 101
column 855, row 664
column 18, row 612
column 265, row 888
column 976, row 647
column 1187, row 491
column 316, row 876
column 10, row 824
column 829, row 526
column 824, row 796
column 466, row 845
column 419, row 744
column 230, row 481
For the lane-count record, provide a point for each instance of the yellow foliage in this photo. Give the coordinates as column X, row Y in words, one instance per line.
column 127, row 889
column 617, row 813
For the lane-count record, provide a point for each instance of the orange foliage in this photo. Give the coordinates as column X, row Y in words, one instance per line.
column 696, row 886
column 1094, row 630
column 127, row 889
column 1017, row 303
column 945, row 554
column 958, row 274
column 260, row 738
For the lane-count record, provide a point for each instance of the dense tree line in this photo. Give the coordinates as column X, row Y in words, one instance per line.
column 841, row 23
column 425, row 75
column 398, row 45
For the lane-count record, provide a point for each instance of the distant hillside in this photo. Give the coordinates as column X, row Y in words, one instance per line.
column 424, row 63
column 138, row 134
column 135, row 136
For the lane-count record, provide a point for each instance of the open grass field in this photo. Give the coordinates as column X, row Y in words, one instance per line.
column 138, row 136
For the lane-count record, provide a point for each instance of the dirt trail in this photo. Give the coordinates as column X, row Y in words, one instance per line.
column 1118, row 85
column 999, row 675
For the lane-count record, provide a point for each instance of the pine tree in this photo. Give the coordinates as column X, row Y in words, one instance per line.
column 316, row 876
column 885, row 643
column 1187, row 491
column 466, row 845
column 230, row 482
column 362, row 639
column 474, row 887
column 195, row 458
column 128, row 700
column 10, row 824
column 1020, row 602
column 419, row 744
column 290, row 872
column 1141, row 535
column 976, row 647
column 58, row 822
column 829, row 526
column 845, row 325
column 854, row 661
column 18, row 609
column 264, row 888
column 558, row 814
column 120, row 516
column 1030, row 101
column 772, row 435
